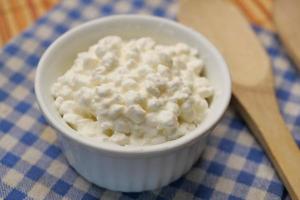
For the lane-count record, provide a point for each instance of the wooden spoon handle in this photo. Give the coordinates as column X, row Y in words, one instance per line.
column 263, row 117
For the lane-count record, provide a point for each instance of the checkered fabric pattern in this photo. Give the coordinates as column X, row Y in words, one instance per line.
column 32, row 165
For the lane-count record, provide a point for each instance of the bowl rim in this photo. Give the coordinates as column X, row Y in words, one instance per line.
column 117, row 150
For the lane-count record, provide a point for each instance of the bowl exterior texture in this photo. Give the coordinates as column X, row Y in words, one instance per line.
column 129, row 174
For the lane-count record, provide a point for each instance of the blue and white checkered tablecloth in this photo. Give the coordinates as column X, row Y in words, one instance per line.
column 32, row 165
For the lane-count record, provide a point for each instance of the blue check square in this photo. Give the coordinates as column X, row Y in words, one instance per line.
column 3, row 95
column 255, row 155
column 53, row 151
column 35, row 173
column 204, row 192
column 32, row 60
column 10, row 159
column 245, row 178
column 226, row 145
column 11, row 49
column 23, row 107
column 61, row 187
column 89, row 197
column 15, row 195
column 275, row 188
column 17, row 78
column 29, row 138
column 74, row 14
column 216, row 168
column 5, row 125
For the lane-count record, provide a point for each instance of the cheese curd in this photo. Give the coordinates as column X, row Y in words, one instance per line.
column 134, row 92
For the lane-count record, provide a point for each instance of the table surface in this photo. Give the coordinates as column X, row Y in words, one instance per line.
column 16, row 15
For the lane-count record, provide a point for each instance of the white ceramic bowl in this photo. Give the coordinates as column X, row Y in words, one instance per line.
column 130, row 169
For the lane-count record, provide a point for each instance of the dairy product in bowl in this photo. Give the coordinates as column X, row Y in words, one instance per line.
column 134, row 92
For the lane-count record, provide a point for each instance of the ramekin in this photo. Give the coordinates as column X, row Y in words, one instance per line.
column 130, row 169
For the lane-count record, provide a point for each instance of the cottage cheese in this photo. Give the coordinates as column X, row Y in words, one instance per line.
column 134, row 92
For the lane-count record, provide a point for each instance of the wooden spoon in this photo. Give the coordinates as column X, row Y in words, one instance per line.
column 253, row 88
column 286, row 15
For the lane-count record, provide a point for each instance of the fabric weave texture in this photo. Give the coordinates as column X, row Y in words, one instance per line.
column 32, row 166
